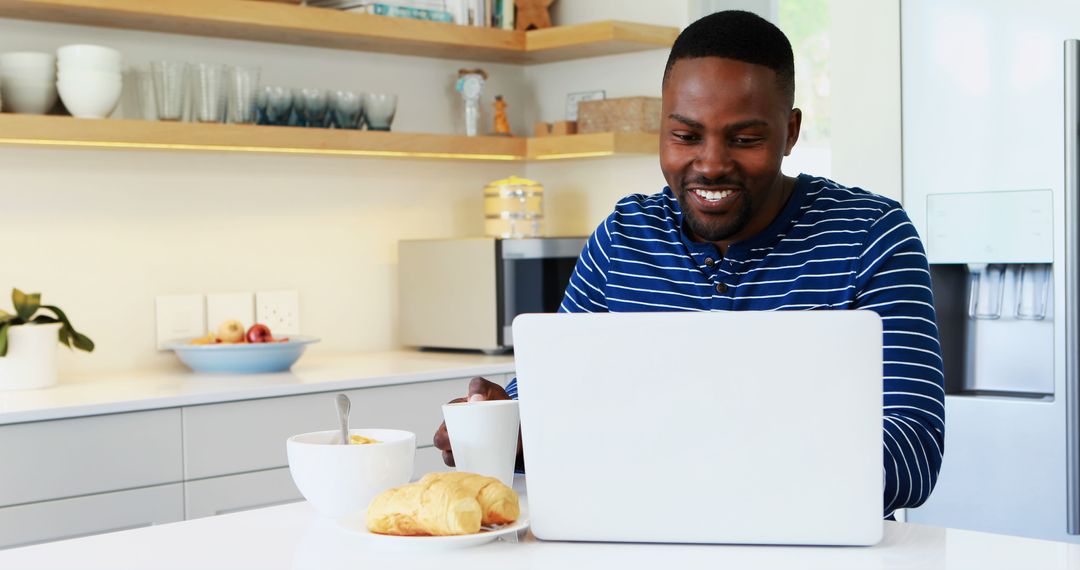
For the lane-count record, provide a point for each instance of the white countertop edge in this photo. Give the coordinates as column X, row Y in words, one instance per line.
column 152, row 390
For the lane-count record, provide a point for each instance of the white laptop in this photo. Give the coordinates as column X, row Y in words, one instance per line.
column 697, row 427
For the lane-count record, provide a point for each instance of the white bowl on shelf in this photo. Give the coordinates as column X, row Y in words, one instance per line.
column 89, row 98
column 77, row 67
column 28, row 97
column 28, row 75
column 33, row 60
column 89, row 75
column 86, row 54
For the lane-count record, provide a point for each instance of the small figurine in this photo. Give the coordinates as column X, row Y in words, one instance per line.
column 532, row 14
column 502, row 125
column 470, row 84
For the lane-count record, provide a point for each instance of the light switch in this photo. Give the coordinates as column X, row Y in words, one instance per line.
column 179, row 317
column 221, row 307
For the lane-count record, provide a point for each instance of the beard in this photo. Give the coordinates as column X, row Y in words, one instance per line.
column 712, row 228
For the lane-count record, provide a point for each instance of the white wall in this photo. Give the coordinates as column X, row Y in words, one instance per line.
column 866, row 95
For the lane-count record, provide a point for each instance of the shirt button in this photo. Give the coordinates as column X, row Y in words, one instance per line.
column 721, row 288
column 709, row 261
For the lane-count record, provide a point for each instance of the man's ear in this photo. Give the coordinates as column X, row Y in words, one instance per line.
column 794, row 124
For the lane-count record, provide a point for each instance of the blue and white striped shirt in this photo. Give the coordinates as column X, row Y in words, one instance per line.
column 831, row 247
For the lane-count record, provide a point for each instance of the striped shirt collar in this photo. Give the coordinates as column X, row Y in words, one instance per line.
column 741, row 250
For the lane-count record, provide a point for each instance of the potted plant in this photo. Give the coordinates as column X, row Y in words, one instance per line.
column 28, row 342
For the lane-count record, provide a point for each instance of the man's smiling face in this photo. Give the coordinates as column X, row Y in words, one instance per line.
column 725, row 128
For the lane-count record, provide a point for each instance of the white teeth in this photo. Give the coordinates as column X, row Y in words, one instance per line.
column 713, row 196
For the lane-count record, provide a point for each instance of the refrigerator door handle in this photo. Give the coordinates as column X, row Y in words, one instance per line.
column 1072, row 279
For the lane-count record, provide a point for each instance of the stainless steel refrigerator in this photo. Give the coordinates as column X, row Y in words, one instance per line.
column 990, row 153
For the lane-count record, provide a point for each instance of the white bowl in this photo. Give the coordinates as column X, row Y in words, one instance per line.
column 32, row 98
column 89, row 75
column 27, row 59
column 342, row 479
column 89, row 99
column 88, row 66
column 20, row 74
column 86, row 53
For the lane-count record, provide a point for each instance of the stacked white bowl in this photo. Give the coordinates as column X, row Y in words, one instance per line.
column 28, row 82
column 89, row 80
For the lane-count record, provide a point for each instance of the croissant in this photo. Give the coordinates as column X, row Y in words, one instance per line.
column 442, row 504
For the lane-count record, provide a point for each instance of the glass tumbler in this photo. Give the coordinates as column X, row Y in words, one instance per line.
column 312, row 107
column 279, row 104
column 240, row 93
column 346, row 108
column 208, row 92
column 169, row 78
column 144, row 94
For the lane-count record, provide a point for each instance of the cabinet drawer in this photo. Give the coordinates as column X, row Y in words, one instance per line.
column 236, row 437
column 92, row 514
column 80, row 456
column 232, row 493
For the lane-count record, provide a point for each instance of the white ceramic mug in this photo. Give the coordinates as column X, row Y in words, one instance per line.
column 484, row 437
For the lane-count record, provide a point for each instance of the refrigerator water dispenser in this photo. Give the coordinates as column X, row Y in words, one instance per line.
column 991, row 266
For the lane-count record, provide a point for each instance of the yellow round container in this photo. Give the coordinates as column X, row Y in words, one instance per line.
column 513, row 208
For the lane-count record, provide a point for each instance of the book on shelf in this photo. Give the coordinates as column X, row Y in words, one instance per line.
column 506, row 14
column 402, row 11
column 482, row 13
column 479, row 13
column 350, row 4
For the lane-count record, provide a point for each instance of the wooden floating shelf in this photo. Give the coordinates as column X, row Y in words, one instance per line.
column 590, row 145
column 302, row 25
column 61, row 131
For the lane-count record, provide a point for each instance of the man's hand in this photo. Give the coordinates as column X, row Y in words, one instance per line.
column 480, row 389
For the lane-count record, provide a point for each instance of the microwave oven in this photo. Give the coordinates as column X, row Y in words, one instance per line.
column 465, row 293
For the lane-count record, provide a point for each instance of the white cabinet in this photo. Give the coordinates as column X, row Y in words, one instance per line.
column 64, row 458
column 238, row 437
column 92, row 514
column 232, row 493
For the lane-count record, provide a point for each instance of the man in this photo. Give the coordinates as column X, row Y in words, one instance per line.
column 731, row 232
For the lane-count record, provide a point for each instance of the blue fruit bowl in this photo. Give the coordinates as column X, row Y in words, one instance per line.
column 241, row 358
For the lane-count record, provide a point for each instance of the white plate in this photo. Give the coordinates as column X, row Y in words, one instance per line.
column 356, row 525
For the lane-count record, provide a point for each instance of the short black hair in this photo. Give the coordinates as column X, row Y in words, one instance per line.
column 742, row 36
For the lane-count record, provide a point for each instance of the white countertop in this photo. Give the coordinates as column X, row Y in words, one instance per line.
column 294, row 537
column 134, row 391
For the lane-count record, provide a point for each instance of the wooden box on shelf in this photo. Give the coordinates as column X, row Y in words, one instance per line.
column 621, row 115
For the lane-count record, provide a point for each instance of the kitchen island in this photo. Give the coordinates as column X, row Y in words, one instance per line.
column 294, row 537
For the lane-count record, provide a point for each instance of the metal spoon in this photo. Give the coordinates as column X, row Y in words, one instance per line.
column 343, row 407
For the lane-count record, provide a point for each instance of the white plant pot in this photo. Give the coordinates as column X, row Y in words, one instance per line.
column 31, row 357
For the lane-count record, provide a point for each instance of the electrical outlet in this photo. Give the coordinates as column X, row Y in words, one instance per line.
column 179, row 316
column 279, row 310
column 221, row 307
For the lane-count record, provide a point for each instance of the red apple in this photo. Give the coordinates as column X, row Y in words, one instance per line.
column 259, row 333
